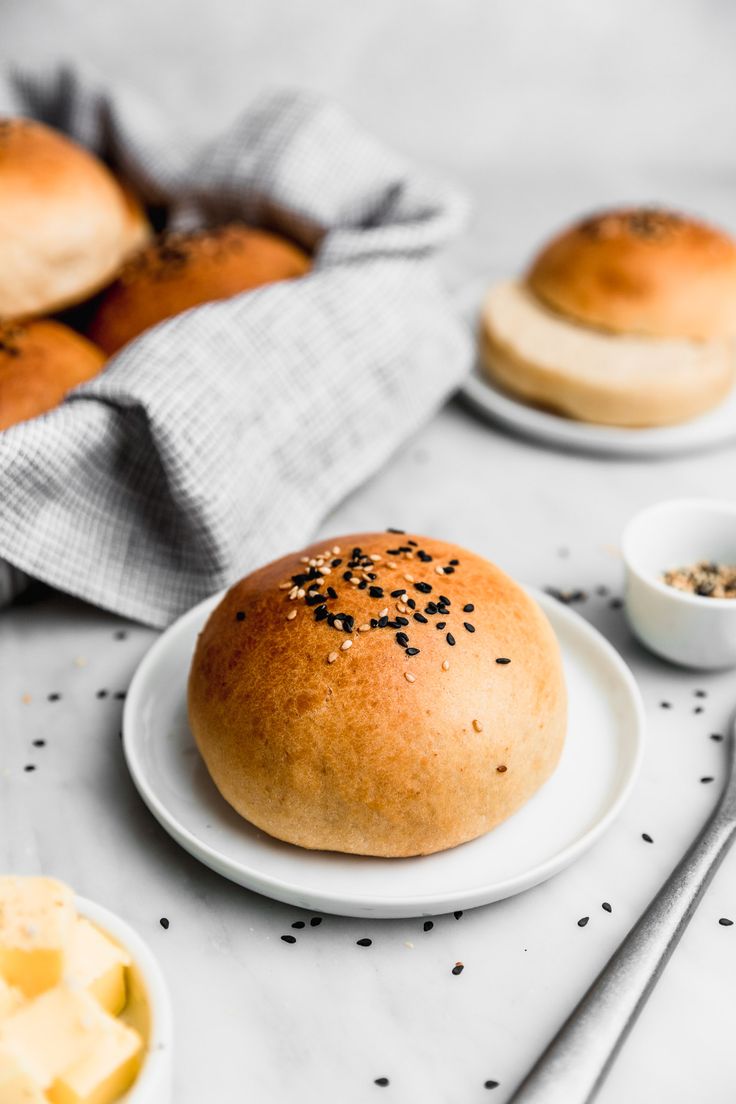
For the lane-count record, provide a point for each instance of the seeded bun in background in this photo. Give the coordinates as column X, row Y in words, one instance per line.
column 39, row 363
column 626, row 319
column 378, row 694
column 183, row 270
column 66, row 225
column 641, row 271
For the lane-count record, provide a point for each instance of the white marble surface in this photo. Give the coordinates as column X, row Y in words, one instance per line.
column 541, row 110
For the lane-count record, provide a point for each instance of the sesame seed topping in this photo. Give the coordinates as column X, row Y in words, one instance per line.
column 421, row 618
column 445, row 665
column 384, row 612
column 469, row 608
column 469, row 627
column 332, row 657
column 409, row 676
column 409, row 578
column 502, row 769
column 240, row 616
column 364, row 628
column 291, row 616
column 503, row 660
column 345, row 645
column 375, row 557
column 450, row 639
column 477, row 726
column 440, row 570
column 412, row 651
column 338, row 625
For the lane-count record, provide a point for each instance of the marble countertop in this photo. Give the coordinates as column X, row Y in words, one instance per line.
column 323, row 1018
column 541, row 111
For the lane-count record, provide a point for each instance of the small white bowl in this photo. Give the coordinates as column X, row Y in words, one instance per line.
column 148, row 1008
column 684, row 628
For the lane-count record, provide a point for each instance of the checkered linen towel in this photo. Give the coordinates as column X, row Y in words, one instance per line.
column 223, row 436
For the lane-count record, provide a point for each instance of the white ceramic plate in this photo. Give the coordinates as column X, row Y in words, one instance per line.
column 711, row 430
column 148, row 1008
column 598, row 767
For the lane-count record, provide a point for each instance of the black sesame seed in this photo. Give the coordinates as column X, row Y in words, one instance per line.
column 503, row 660
column 707, row 778
column 314, row 598
column 423, row 588
column 119, row 695
column 469, row 627
column 443, row 610
column 430, row 607
column 102, row 693
column 336, row 563
column 444, row 600
column 413, row 543
column 362, row 585
column 289, row 938
column 382, row 622
column 440, row 624
column 382, row 1081
column 454, row 563
column 321, row 613
column 164, row 923
column 240, row 615
column 646, row 837
column 424, row 556
column 398, row 593
column 716, row 736
column 298, row 924
column 412, row 651
column 375, row 591
column 29, row 767
column 449, row 571
column 364, row 942
column 602, row 591
column 665, row 705
column 428, row 925
column 315, row 921
column 347, row 576
column 698, row 709
column 393, row 551
column 348, row 622
column 54, row 697
column 616, row 604
column 402, row 639
column 458, row 968
column 39, row 743
column 121, row 634
column 411, row 603
column 331, row 592
column 469, row 608
column 583, row 921
column 725, row 922
column 401, row 620
column 450, row 640
column 606, row 907
column 390, row 530
column 458, row 914
column 421, row 618
column 490, row 1084
column 701, row 693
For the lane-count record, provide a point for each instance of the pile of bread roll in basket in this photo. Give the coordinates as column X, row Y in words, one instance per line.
column 626, row 319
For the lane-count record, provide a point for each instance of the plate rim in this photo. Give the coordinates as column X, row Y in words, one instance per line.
column 350, row 904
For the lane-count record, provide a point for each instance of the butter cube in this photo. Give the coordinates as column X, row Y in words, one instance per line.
column 105, row 1073
column 16, row 1084
column 10, row 999
column 36, row 919
column 56, row 1030
column 98, row 965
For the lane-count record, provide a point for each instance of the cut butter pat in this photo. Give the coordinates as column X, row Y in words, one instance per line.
column 36, row 920
column 103, row 1074
column 16, row 1084
column 97, row 965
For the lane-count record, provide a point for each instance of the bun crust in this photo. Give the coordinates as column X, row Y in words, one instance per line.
column 641, row 271
column 39, row 363
column 334, row 748
column 183, row 270
column 66, row 225
column 602, row 378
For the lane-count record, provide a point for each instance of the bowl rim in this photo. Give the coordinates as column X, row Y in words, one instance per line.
column 672, row 505
column 158, row 1056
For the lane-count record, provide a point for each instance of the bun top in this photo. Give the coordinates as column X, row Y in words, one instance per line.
column 39, row 363
column 66, row 224
column 381, row 694
column 644, row 271
column 183, row 270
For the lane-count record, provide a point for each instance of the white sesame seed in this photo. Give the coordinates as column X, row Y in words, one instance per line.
column 304, row 559
column 346, row 644
column 445, row 665
column 384, row 612
column 301, row 592
column 477, row 726
column 404, row 597
column 285, row 586
column 335, row 551
column 325, row 571
column 409, row 676
column 293, row 593
column 375, row 557
column 355, row 581
column 390, row 565
column 409, row 578
column 364, row 628
column 408, row 943
column 332, row 657
column 291, row 616
column 440, row 570
column 337, row 625
column 401, row 607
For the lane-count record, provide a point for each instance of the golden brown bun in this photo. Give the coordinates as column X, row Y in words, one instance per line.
column 66, row 225
column 180, row 271
column 641, row 271
column 39, row 362
column 608, row 379
column 350, row 755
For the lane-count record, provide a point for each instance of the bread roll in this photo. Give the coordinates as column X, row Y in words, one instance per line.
column 583, row 373
column 641, row 271
column 180, row 271
column 379, row 694
column 66, row 225
column 39, row 363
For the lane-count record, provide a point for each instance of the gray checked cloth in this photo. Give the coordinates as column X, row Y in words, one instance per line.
column 222, row 437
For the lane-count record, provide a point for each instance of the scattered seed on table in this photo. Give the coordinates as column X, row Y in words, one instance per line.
column 382, row 1081
column 616, row 604
column 707, row 778
column 364, row 942
column 583, row 921
column 490, row 1084
column 700, row 693
column 428, row 925
column 606, row 907
column 102, row 693
column 725, row 922
column 602, row 591
column 39, row 743
column 51, row 697
column 716, row 736
column 120, row 695
column 698, row 709
column 665, row 705
column 503, row 660
column 458, row 968
column 298, row 924
column 315, row 921
column 646, row 837
column 121, row 634
column 288, row 938
column 164, row 923
column 458, row 914
column 29, row 767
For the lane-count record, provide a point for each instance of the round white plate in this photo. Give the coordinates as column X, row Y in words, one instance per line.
column 711, row 430
column 598, row 767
